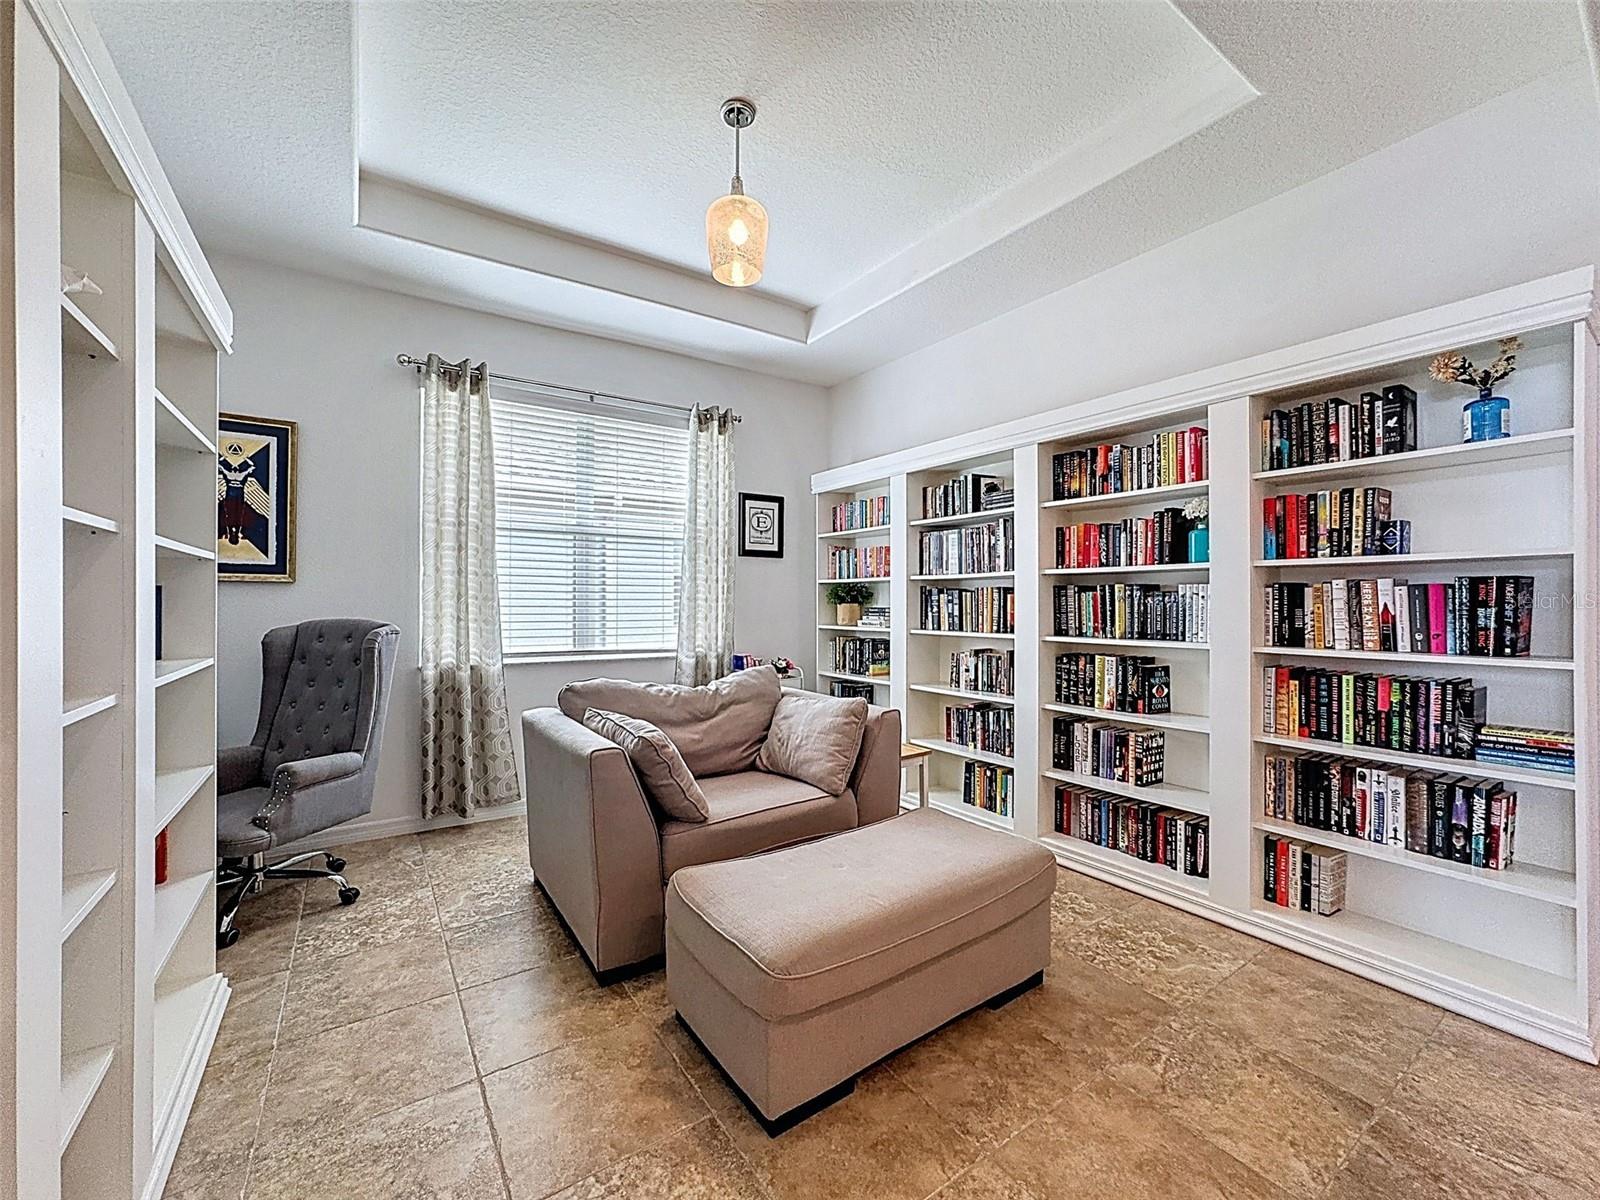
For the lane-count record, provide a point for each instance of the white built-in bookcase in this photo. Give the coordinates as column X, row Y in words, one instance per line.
column 112, row 467
column 1518, row 949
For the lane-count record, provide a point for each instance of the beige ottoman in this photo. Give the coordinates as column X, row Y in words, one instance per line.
column 798, row 969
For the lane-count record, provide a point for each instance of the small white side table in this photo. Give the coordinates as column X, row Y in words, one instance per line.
column 917, row 756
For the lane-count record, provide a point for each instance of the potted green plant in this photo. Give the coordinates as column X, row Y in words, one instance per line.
column 847, row 599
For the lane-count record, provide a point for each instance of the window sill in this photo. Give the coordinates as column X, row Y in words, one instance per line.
column 530, row 660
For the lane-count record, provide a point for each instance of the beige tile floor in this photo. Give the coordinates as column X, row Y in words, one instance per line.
column 441, row 1039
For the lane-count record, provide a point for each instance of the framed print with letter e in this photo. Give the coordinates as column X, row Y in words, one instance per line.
column 255, row 498
column 760, row 525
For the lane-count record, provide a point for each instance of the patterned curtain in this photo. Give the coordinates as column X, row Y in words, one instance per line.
column 705, row 614
column 467, row 761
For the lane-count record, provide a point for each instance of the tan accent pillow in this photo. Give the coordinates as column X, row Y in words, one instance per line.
column 666, row 779
column 717, row 728
column 815, row 738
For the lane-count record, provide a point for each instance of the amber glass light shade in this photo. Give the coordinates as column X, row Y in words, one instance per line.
column 736, row 239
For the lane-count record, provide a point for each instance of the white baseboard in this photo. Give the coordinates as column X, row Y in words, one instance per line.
column 366, row 830
column 171, row 1124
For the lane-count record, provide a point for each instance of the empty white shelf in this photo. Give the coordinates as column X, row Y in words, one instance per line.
column 175, row 788
column 176, row 902
column 80, row 335
column 81, row 1076
column 170, row 670
column 79, row 895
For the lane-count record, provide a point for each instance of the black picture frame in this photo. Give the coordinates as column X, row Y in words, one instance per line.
column 760, row 525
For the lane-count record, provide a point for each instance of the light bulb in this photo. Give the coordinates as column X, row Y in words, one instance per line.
column 738, row 232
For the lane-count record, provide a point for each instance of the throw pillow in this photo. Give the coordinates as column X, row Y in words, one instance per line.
column 815, row 738
column 717, row 728
column 661, row 769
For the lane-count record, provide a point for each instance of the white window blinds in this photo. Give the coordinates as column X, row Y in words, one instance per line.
column 589, row 525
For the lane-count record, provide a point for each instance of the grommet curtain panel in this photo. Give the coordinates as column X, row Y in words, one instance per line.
column 467, row 759
column 705, row 613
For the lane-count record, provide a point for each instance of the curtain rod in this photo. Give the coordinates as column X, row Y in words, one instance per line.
column 407, row 360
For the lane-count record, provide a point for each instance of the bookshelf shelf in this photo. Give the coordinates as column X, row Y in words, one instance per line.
column 1425, row 762
column 1148, row 569
column 175, row 430
column 80, row 894
column 950, row 801
column 1100, row 860
column 1128, row 643
column 1534, row 662
column 955, row 693
column 175, row 788
column 1438, row 458
column 1174, row 491
column 1170, row 795
column 172, row 548
column 1516, row 949
column 176, row 903
column 973, row 518
column 81, row 336
column 81, row 708
column 1400, row 560
column 859, row 579
column 1180, row 722
column 862, row 630
column 1539, row 883
column 1419, row 957
column 82, row 1074
column 170, row 670
column 883, row 679
column 956, row 750
column 87, row 520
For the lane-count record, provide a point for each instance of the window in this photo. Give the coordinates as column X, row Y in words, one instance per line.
column 589, row 525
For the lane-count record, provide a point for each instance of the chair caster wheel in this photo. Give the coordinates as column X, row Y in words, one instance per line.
column 226, row 938
column 349, row 895
column 335, row 864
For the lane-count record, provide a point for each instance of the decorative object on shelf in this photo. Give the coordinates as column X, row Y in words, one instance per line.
column 255, row 498
column 786, row 668
column 760, row 525
column 161, row 858
column 75, row 283
column 1198, row 513
column 1489, row 416
column 847, row 599
column 736, row 224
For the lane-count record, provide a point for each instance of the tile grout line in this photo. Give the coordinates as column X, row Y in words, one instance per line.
column 272, row 1058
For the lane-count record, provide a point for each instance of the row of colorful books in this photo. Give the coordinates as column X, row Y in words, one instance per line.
column 987, row 787
column 1451, row 817
column 1132, row 610
column 1411, row 714
column 969, row 610
column 1530, row 749
column 987, row 727
column 858, row 656
column 1338, row 430
column 1301, row 876
column 1167, row 459
column 1167, row 837
column 1338, row 523
column 870, row 513
column 980, row 548
column 1156, row 540
column 992, row 671
column 1127, row 683
column 1105, row 750
column 857, row 562
column 1487, row 616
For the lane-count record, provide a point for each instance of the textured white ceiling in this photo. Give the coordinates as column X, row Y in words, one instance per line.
column 591, row 119
column 876, row 122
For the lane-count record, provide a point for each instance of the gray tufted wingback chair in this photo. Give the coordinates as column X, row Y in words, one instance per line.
column 313, row 762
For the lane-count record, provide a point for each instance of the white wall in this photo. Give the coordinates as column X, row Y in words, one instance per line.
column 321, row 352
column 1496, row 196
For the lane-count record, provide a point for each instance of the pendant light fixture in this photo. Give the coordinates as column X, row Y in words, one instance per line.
column 736, row 224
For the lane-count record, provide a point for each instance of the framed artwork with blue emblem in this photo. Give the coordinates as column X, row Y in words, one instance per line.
column 255, row 498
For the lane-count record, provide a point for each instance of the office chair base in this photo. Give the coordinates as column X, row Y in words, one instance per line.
column 243, row 877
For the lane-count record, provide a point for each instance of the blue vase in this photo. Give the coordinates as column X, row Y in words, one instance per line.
column 1200, row 544
column 1486, row 418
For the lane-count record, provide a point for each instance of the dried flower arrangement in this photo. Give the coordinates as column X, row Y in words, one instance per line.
column 1197, row 509
column 1454, row 367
